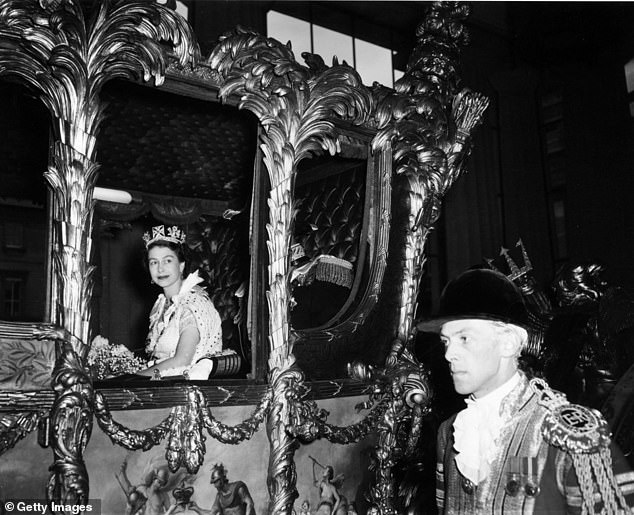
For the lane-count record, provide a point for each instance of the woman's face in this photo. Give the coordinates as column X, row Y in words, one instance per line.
column 165, row 269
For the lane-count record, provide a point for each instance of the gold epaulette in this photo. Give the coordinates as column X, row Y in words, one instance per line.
column 571, row 427
column 584, row 435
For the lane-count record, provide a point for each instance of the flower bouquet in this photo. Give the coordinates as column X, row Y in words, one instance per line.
column 106, row 360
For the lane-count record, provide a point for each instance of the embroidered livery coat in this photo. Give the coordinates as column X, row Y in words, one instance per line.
column 530, row 474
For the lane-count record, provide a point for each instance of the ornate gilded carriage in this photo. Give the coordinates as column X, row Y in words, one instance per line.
column 307, row 156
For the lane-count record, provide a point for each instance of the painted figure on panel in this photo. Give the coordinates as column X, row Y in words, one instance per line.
column 324, row 508
column 304, row 508
column 150, row 497
column 329, row 487
column 183, row 504
column 233, row 498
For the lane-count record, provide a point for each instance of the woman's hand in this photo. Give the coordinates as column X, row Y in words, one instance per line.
column 184, row 355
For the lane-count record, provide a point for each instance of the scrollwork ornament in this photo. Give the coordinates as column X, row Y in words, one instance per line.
column 71, row 426
column 14, row 427
column 428, row 121
column 401, row 389
column 282, row 477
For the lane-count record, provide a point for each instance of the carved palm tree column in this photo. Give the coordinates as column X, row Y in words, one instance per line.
column 428, row 120
column 48, row 46
column 294, row 110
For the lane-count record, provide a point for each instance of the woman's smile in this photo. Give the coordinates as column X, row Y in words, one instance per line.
column 165, row 269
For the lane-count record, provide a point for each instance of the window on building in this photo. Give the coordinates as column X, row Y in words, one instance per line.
column 24, row 206
column 629, row 81
column 372, row 62
column 180, row 7
column 13, row 238
column 287, row 28
column 554, row 152
column 12, row 293
column 328, row 43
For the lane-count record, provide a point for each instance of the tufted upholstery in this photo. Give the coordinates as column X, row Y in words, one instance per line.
column 329, row 221
column 156, row 142
column 330, row 215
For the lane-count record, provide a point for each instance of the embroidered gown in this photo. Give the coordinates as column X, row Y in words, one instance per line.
column 191, row 307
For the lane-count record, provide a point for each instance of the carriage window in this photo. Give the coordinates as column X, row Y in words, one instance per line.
column 177, row 162
column 328, row 261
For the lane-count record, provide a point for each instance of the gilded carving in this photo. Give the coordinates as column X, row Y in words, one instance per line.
column 71, row 426
column 128, row 438
column 295, row 108
column 428, row 121
column 14, row 427
column 402, row 397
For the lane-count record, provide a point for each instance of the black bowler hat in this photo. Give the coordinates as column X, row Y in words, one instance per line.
column 481, row 294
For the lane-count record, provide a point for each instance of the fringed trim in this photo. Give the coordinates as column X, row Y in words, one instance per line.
column 598, row 466
column 325, row 268
column 334, row 270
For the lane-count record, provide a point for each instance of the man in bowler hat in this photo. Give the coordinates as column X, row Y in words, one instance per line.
column 518, row 446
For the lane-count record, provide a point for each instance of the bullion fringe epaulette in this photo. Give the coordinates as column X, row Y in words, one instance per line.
column 584, row 435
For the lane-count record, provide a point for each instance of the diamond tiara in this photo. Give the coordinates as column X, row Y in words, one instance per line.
column 161, row 233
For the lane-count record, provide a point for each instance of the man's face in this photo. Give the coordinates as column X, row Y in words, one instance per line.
column 158, row 483
column 474, row 353
column 217, row 481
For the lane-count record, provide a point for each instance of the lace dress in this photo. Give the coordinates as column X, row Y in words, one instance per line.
column 191, row 307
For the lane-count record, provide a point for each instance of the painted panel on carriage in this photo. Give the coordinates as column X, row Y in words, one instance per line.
column 24, row 469
column 350, row 464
